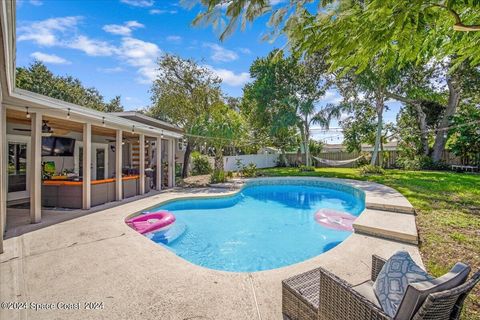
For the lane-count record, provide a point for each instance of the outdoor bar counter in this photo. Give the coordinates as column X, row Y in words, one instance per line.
column 68, row 194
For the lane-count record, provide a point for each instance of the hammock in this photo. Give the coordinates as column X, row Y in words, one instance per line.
column 336, row 163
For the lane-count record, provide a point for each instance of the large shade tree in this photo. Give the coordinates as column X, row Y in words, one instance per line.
column 365, row 92
column 389, row 33
column 183, row 93
column 406, row 25
column 265, row 102
column 39, row 79
column 222, row 127
column 284, row 94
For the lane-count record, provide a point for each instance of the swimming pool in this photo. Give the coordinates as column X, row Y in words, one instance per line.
column 264, row 226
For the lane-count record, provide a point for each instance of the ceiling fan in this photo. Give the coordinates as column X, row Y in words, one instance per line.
column 47, row 131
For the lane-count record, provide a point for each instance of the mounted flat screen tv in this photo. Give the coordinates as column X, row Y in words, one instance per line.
column 58, row 146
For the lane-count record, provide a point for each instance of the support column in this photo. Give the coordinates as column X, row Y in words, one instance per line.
column 36, row 168
column 118, row 165
column 87, row 166
column 159, row 163
column 171, row 163
column 141, row 140
column 3, row 171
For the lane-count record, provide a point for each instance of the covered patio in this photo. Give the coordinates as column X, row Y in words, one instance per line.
column 63, row 158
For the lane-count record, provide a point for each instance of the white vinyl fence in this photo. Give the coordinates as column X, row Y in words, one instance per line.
column 260, row 160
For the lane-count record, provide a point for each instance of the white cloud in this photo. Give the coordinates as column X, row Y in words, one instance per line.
column 142, row 55
column 45, row 32
column 162, row 11
column 110, row 70
column 49, row 58
column 36, row 2
column 220, row 54
column 92, row 47
column 332, row 96
column 229, row 77
column 245, row 50
column 61, row 32
column 139, row 3
column 175, row 39
column 123, row 30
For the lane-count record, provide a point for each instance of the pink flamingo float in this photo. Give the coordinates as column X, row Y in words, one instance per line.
column 334, row 219
column 152, row 221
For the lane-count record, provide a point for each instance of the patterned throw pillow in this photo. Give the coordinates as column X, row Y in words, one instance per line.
column 393, row 279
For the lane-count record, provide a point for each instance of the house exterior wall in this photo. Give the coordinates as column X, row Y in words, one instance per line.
column 3, row 169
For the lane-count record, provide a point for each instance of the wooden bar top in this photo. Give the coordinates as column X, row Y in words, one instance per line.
column 79, row 183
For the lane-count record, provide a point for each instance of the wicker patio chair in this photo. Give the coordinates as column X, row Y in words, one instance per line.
column 319, row 294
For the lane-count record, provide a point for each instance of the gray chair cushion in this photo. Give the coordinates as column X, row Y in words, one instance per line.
column 366, row 290
column 417, row 292
column 392, row 281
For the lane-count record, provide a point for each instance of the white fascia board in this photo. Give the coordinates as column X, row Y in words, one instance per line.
column 23, row 98
column 143, row 116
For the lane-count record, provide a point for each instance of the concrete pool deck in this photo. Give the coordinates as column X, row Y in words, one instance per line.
column 98, row 258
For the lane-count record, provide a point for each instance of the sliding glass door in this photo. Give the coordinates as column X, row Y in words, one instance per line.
column 18, row 155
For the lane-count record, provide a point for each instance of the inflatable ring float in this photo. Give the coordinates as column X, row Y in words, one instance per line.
column 151, row 221
column 334, row 219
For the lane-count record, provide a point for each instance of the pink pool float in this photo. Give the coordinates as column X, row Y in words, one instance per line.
column 152, row 221
column 333, row 219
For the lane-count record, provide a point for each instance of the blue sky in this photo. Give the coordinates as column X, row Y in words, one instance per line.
column 112, row 45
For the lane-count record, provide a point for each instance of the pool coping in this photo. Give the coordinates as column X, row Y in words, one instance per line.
column 73, row 257
column 378, row 196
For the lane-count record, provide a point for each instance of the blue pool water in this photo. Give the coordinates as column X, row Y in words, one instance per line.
column 263, row 227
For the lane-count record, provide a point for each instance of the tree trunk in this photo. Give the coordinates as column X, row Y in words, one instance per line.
column 440, row 139
column 218, row 164
column 186, row 159
column 421, row 118
column 283, row 158
column 380, row 158
column 306, row 145
column 379, row 106
column 422, row 123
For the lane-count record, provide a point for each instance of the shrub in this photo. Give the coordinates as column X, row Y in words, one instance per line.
column 306, row 168
column 178, row 169
column 367, row 156
column 409, row 164
column 420, row 163
column 369, row 169
column 218, row 176
column 200, row 164
column 229, row 174
column 249, row 170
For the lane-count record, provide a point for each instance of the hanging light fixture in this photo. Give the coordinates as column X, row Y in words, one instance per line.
column 161, row 135
column 103, row 121
column 27, row 114
column 133, row 129
column 68, row 113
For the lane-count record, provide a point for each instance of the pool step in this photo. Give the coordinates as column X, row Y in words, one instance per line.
column 391, row 207
column 171, row 234
column 387, row 224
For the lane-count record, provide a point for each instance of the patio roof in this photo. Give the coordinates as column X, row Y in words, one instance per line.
column 142, row 118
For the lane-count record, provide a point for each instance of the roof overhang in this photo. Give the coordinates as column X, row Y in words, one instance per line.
column 140, row 117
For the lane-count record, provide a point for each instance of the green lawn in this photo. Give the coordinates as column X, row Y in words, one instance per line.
column 448, row 215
